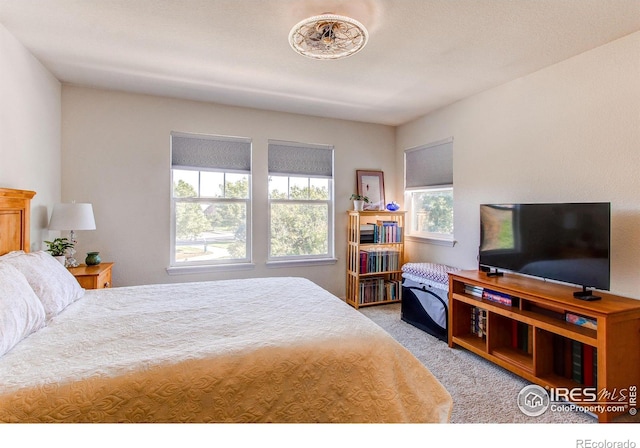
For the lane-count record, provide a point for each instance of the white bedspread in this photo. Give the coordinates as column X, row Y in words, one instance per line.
column 258, row 350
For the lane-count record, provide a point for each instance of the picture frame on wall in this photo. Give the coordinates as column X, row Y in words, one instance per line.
column 371, row 185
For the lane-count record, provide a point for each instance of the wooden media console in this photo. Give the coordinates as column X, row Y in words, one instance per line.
column 549, row 337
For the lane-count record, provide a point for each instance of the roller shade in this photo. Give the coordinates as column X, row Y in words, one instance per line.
column 430, row 165
column 300, row 159
column 202, row 152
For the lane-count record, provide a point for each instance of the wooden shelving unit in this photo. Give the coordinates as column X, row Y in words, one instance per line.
column 533, row 339
column 374, row 268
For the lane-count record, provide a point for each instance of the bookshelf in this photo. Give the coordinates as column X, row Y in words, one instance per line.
column 375, row 254
column 547, row 336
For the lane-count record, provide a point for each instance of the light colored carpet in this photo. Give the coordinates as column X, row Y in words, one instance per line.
column 482, row 392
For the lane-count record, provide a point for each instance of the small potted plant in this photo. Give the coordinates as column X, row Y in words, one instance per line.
column 359, row 201
column 58, row 248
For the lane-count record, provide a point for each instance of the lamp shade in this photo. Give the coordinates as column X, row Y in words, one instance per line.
column 72, row 217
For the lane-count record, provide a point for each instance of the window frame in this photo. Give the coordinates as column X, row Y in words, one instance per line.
column 330, row 228
column 444, row 239
column 187, row 267
column 434, row 186
column 310, row 259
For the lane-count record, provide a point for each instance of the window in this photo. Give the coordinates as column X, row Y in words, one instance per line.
column 211, row 200
column 429, row 190
column 300, row 201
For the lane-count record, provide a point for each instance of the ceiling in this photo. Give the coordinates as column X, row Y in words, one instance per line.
column 421, row 55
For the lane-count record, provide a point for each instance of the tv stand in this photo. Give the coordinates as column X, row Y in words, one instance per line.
column 585, row 294
column 538, row 337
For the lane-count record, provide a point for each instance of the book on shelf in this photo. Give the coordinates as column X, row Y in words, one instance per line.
column 566, row 347
column 514, row 334
column 521, row 336
column 371, row 290
column 587, row 365
column 473, row 290
column 582, row 364
column 576, row 361
column 559, row 355
column 499, row 297
column 379, row 260
column 392, row 289
column 378, row 289
column 385, row 232
column 583, row 321
column 594, row 368
column 363, row 262
column 478, row 321
column 367, row 234
column 382, row 222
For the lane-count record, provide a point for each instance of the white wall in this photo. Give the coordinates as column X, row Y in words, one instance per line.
column 116, row 156
column 569, row 132
column 30, row 156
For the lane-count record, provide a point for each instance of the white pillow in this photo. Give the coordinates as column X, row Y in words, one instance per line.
column 53, row 283
column 11, row 254
column 21, row 312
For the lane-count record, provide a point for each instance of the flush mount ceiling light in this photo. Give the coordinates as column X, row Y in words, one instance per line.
column 328, row 36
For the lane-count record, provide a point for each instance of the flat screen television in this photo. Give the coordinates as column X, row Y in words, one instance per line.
column 566, row 242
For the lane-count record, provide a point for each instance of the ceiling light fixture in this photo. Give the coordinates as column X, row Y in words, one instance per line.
column 328, row 36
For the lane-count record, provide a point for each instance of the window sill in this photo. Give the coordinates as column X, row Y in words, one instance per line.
column 182, row 270
column 435, row 241
column 305, row 262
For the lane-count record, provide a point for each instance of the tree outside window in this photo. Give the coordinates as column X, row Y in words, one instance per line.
column 299, row 216
column 432, row 211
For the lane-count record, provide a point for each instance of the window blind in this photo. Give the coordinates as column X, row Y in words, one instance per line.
column 302, row 159
column 202, row 152
column 429, row 165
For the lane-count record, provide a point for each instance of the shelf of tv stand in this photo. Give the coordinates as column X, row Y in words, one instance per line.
column 514, row 357
column 581, row 334
column 540, row 311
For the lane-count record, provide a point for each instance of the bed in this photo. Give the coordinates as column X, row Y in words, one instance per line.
column 255, row 350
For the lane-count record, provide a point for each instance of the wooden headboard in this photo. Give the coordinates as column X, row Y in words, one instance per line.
column 15, row 211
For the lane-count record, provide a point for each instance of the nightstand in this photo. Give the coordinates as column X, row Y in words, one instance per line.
column 93, row 277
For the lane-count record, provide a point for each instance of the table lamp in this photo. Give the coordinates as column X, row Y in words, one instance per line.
column 72, row 217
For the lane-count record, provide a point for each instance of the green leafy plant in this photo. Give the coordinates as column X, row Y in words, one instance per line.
column 58, row 246
column 358, row 197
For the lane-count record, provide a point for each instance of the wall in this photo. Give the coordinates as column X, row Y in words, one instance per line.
column 569, row 132
column 30, row 155
column 116, row 156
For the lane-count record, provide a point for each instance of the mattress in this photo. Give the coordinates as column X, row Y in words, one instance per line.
column 425, row 297
column 254, row 350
